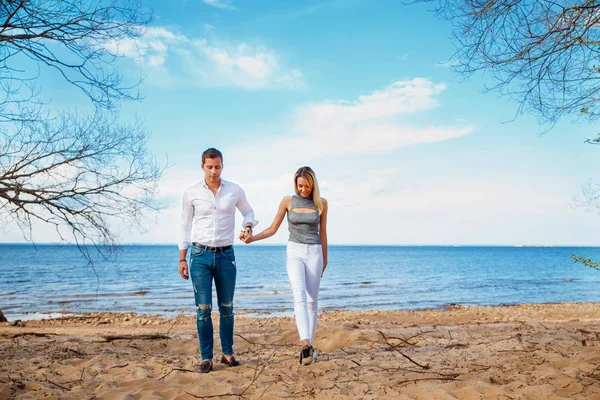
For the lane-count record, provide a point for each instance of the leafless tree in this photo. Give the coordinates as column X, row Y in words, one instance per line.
column 544, row 54
column 79, row 172
column 77, row 175
column 75, row 38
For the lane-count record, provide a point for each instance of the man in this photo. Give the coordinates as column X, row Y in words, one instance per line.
column 207, row 226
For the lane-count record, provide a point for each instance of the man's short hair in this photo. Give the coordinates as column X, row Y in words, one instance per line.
column 211, row 153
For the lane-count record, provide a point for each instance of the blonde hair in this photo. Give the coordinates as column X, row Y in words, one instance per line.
column 310, row 176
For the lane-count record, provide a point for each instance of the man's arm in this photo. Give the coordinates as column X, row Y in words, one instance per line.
column 185, row 232
column 244, row 206
column 271, row 230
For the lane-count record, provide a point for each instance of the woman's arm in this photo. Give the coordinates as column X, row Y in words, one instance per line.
column 323, row 232
column 271, row 230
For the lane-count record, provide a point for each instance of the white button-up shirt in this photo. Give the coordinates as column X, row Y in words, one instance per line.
column 209, row 219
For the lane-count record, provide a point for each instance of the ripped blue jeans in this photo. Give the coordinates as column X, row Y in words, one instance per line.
column 220, row 266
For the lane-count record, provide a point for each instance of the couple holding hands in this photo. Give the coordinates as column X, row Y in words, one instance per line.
column 207, row 227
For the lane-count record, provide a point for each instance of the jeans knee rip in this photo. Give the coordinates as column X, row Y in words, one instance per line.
column 203, row 312
column 227, row 309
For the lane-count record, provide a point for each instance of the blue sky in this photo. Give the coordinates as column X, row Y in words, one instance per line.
column 406, row 151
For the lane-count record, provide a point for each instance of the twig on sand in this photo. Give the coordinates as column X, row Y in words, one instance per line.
column 284, row 373
column 155, row 336
column 257, row 374
column 401, row 353
column 264, row 344
column 482, row 367
column 174, row 369
column 57, row 384
column 210, row 396
column 447, row 378
column 405, row 341
column 265, row 391
column 174, row 322
column 16, row 335
column 304, row 394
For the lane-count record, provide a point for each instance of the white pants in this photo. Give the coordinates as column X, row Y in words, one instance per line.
column 304, row 267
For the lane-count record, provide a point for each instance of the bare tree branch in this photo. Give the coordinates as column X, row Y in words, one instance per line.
column 543, row 54
column 73, row 37
column 79, row 174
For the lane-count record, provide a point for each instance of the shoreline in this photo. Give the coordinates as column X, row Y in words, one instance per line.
column 255, row 314
column 261, row 313
column 535, row 351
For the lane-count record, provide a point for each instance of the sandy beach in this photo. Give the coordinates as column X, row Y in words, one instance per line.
column 539, row 351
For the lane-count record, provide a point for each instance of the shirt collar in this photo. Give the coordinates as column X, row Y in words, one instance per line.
column 203, row 183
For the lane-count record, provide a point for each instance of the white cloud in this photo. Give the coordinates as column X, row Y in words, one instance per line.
column 467, row 210
column 223, row 4
column 451, row 63
column 378, row 122
column 241, row 64
column 173, row 59
column 392, row 205
column 398, row 98
column 151, row 49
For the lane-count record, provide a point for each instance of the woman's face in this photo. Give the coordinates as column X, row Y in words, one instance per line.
column 303, row 187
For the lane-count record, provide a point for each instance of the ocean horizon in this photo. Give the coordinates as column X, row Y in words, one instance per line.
column 50, row 279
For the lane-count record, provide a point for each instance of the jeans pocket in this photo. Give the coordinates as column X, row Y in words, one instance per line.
column 196, row 251
column 229, row 254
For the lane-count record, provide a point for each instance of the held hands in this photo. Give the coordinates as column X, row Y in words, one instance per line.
column 246, row 235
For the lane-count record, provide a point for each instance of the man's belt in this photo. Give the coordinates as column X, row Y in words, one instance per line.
column 213, row 249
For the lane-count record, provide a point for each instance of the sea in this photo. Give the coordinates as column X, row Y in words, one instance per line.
column 48, row 280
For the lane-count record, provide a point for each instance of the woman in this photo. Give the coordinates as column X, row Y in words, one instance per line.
column 306, row 252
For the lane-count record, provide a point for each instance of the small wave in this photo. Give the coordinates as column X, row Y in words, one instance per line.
column 362, row 283
column 69, row 301
column 263, row 310
column 270, row 293
column 13, row 281
column 92, row 296
column 120, row 294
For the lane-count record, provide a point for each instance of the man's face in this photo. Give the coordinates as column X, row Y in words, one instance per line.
column 212, row 168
